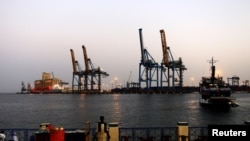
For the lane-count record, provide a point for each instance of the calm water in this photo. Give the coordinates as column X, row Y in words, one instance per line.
column 130, row 110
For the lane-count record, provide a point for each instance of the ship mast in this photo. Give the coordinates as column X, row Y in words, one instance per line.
column 213, row 69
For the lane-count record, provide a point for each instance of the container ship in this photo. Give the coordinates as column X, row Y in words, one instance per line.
column 48, row 84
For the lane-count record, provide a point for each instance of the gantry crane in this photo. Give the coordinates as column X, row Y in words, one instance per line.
column 91, row 73
column 170, row 66
column 148, row 68
column 86, row 68
column 89, row 77
column 77, row 74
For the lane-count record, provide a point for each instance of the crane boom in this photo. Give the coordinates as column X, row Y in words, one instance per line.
column 142, row 46
column 73, row 61
column 164, row 47
column 85, row 58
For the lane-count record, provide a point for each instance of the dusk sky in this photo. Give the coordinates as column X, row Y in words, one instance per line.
column 36, row 36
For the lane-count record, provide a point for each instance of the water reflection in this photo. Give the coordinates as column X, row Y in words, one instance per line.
column 82, row 98
column 116, row 106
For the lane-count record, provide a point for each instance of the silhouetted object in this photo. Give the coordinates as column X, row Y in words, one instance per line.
column 102, row 133
column 2, row 135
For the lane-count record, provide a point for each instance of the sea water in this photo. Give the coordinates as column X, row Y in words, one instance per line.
column 129, row 110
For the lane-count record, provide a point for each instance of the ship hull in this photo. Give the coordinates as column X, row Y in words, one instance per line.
column 219, row 102
column 45, row 91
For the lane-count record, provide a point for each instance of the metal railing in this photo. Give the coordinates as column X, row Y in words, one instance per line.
column 149, row 134
column 127, row 134
column 22, row 134
column 161, row 134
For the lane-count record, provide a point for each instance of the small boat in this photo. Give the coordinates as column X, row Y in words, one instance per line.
column 215, row 92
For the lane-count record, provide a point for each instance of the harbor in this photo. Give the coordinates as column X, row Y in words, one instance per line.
column 156, row 70
column 162, row 77
column 166, row 76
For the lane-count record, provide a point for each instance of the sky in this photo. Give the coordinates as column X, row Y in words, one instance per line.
column 37, row 35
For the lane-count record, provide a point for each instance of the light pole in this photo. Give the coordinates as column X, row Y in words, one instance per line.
column 116, row 82
column 192, row 80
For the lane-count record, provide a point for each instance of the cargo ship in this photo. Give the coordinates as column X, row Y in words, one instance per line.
column 215, row 92
column 48, row 84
